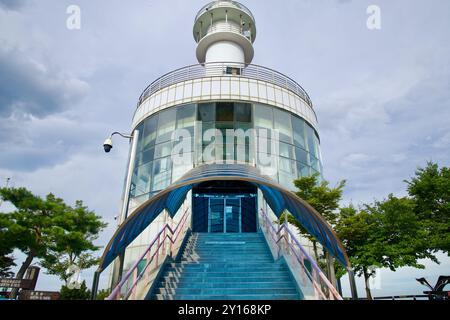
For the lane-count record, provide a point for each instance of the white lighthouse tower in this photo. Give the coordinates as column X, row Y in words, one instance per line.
column 225, row 32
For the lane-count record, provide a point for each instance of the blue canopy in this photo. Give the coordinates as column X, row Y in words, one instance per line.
column 171, row 199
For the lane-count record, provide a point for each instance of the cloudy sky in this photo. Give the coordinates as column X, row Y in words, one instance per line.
column 382, row 97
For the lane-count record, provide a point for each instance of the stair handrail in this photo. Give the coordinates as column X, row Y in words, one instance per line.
column 159, row 243
column 317, row 274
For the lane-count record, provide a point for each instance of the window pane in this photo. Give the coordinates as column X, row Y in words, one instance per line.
column 224, row 127
column 298, row 126
column 315, row 163
column 180, row 170
column 225, row 111
column 303, row 170
column 301, row 155
column 150, row 130
column 286, row 150
column 166, row 125
column 263, row 116
column 311, row 137
column 206, row 112
column 141, row 180
column 163, row 150
column 161, row 174
column 145, row 156
column 186, row 116
column 140, row 128
column 283, row 125
column 287, row 180
column 243, row 112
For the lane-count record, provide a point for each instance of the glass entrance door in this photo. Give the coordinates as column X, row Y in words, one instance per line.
column 233, row 215
column 216, row 216
column 225, row 215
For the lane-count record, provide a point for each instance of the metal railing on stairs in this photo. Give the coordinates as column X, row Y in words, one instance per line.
column 310, row 278
column 138, row 280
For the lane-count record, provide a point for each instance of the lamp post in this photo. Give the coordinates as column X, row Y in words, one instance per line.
column 108, row 146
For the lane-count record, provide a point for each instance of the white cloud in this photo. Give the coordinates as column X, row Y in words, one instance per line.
column 443, row 142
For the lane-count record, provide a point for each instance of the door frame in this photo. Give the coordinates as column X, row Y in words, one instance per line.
column 225, row 213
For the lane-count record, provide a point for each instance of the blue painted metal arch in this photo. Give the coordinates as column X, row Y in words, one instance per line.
column 171, row 199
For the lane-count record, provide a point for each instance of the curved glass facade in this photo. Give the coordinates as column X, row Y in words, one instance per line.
column 210, row 136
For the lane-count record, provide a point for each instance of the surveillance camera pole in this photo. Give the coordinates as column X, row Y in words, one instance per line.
column 116, row 277
column 123, row 135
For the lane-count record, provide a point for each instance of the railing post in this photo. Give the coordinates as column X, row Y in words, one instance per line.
column 279, row 238
column 286, row 231
column 157, row 250
column 171, row 239
column 351, row 277
column 134, row 284
column 95, row 285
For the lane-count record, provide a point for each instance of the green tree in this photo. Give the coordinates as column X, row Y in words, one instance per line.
column 321, row 197
column 73, row 242
column 103, row 294
column 430, row 189
column 75, row 294
column 386, row 234
column 32, row 224
column 49, row 230
column 6, row 247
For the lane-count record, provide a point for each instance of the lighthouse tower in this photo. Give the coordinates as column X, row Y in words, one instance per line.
column 225, row 32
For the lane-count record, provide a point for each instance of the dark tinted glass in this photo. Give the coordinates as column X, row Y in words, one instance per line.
column 243, row 112
column 225, row 111
column 206, row 112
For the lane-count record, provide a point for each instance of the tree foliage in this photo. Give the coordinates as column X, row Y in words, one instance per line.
column 385, row 234
column 51, row 231
column 73, row 241
column 320, row 196
column 430, row 189
column 6, row 248
column 103, row 294
column 82, row 293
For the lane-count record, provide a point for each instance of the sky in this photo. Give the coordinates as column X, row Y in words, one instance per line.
column 382, row 96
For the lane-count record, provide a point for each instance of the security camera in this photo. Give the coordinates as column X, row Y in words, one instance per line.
column 108, row 145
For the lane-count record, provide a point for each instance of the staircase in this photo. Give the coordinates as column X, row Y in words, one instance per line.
column 226, row 267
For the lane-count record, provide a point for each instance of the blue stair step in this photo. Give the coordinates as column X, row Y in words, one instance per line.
column 253, row 297
column 226, row 267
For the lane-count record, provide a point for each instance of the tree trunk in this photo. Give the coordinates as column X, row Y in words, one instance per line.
column 330, row 269
column 316, row 255
column 21, row 273
column 366, row 281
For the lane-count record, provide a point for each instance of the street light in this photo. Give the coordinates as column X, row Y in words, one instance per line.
column 108, row 144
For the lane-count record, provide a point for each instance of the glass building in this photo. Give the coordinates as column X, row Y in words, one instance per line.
column 250, row 131
column 298, row 152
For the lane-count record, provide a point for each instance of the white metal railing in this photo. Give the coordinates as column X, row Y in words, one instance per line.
column 221, row 69
column 310, row 278
column 218, row 4
column 227, row 27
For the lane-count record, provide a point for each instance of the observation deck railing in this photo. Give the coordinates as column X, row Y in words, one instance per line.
column 221, row 69
column 219, row 4
column 226, row 28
